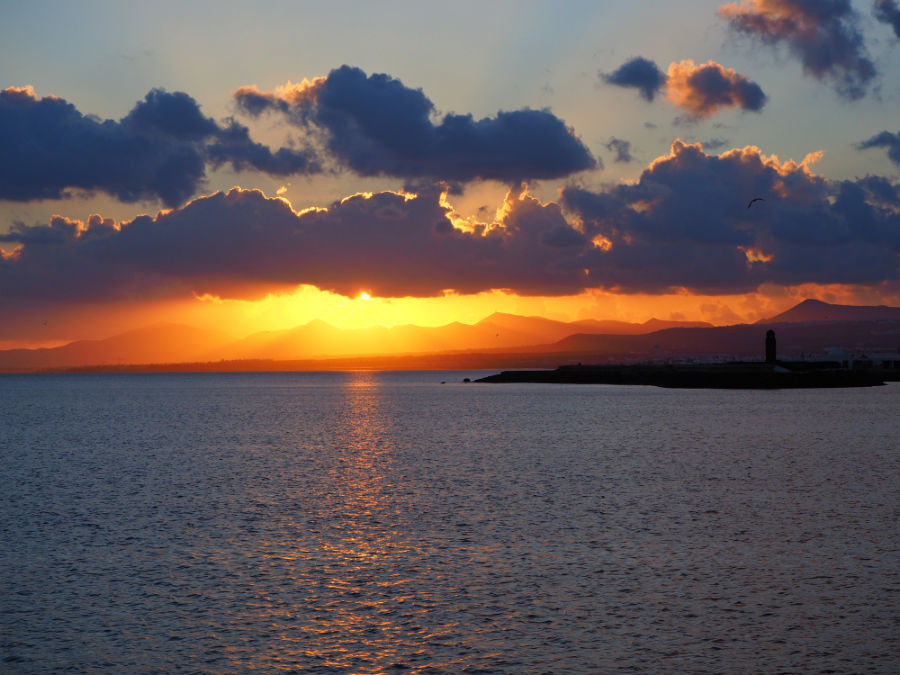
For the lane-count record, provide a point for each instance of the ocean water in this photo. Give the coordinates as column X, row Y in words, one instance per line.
column 372, row 522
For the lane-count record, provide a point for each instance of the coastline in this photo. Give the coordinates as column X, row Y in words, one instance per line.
column 737, row 375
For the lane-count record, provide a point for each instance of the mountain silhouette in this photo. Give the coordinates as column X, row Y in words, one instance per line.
column 514, row 340
column 158, row 343
column 497, row 331
column 810, row 311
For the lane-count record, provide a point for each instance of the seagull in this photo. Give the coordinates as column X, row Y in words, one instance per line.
column 755, row 199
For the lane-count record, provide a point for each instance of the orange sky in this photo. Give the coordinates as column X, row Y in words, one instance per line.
column 308, row 303
column 239, row 318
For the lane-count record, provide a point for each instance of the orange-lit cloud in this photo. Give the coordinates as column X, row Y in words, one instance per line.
column 702, row 90
column 685, row 223
column 699, row 90
column 255, row 101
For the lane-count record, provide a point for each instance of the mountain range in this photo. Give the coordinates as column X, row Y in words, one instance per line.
column 497, row 331
column 509, row 340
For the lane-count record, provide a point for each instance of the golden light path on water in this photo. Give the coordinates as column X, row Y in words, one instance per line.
column 363, row 535
column 364, row 608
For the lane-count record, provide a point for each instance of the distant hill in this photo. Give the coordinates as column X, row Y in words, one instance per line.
column 742, row 341
column 174, row 343
column 514, row 341
column 497, row 331
column 159, row 343
column 810, row 311
column 611, row 327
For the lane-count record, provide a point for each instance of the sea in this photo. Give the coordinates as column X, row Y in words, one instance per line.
column 411, row 522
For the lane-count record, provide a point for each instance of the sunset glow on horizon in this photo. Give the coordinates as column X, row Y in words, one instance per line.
column 366, row 195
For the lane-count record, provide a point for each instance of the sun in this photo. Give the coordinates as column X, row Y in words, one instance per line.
column 364, row 296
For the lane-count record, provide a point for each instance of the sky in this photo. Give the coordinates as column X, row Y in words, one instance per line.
column 255, row 167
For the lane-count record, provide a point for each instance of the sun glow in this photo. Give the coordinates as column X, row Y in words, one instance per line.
column 278, row 311
column 289, row 309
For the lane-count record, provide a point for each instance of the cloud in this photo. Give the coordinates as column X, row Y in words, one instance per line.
column 621, row 148
column 638, row 73
column 705, row 89
column 885, row 140
column 375, row 125
column 700, row 90
column 242, row 243
column 233, row 145
column 683, row 225
column 159, row 150
column 887, row 12
column 823, row 34
column 714, row 143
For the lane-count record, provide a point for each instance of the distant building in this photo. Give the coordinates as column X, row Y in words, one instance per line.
column 770, row 346
column 885, row 360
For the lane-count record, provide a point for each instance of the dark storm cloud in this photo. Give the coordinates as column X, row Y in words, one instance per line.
column 705, row 89
column 375, row 125
column 885, row 140
column 684, row 224
column 823, row 34
column 159, row 150
column 880, row 190
column 888, row 12
column 621, row 148
column 237, row 243
column 638, row 73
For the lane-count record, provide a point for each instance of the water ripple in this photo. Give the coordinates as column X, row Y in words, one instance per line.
column 378, row 522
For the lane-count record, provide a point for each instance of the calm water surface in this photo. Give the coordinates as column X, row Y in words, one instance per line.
column 384, row 522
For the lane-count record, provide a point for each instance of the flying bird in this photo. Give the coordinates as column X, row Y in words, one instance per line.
column 755, row 199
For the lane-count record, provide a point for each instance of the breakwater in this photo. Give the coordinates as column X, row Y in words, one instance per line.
column 787, row 375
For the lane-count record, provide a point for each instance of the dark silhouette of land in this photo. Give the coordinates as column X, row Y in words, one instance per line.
column 786, row 375
column 500, row 341
column 816, row 311
column 769, row 374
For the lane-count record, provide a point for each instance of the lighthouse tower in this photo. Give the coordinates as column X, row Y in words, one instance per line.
column 770, row 346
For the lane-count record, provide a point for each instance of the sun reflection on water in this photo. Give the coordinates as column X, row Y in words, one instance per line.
column 355, row 608
column 364, row 535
